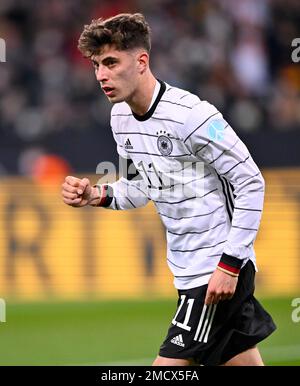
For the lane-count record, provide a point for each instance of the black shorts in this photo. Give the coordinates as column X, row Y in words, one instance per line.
column 213, row 334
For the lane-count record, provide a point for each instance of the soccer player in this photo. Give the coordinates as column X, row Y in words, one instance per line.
column 206, row 188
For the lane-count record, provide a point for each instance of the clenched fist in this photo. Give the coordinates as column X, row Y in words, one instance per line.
column 79, row 192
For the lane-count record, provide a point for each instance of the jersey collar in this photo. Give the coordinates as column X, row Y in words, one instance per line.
column 150, row 112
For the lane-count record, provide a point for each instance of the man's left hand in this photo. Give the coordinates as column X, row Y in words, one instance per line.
column 221, row 286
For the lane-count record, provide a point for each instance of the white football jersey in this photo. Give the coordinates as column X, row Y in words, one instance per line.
column 204, row 183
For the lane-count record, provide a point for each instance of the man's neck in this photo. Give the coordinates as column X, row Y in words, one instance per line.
column 142, row 98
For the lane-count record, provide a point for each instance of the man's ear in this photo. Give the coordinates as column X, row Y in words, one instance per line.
column 143, row 62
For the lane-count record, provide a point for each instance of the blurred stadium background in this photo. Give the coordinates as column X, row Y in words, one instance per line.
column 91, row 286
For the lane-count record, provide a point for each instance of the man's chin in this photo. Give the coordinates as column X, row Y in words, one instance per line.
column 115, row 99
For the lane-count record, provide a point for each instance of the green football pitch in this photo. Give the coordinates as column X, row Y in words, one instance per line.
column 116, row 333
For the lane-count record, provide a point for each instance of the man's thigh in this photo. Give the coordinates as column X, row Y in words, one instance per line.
column 163, row 361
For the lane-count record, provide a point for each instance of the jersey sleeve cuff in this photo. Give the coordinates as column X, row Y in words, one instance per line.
column 106, row 195
column 230, row 264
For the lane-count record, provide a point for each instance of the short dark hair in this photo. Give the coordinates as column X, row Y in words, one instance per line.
column 125, row 31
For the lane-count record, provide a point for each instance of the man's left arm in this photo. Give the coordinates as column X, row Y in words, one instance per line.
column 214, row 142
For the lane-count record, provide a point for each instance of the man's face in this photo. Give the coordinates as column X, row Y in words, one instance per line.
column 117, row 72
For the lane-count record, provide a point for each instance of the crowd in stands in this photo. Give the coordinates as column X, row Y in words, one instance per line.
column 234, row 53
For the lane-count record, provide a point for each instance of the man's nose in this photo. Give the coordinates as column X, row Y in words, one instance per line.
column 101, row 74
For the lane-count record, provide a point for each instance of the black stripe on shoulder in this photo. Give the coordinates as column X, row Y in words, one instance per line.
column 177, row 104
column 185, row 95
column 196, row 104
column 167, row 120
column 201, row 125
column 224, row 151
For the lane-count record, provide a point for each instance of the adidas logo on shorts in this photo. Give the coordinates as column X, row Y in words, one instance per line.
column 178, row 340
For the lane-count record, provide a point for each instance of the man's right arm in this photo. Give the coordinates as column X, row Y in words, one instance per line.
column 129, row 192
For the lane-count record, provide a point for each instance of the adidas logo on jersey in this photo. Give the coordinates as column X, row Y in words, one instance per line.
column 128, row 144
column 178, row 340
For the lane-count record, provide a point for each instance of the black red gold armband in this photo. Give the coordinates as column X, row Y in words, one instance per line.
column 230, row 265
column 106, row 195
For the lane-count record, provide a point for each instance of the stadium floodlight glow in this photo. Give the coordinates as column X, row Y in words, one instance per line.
column 296, row 51
column 2, row 311
column 2, row 50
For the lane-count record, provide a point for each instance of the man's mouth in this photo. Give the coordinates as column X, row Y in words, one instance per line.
column 107, row 90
